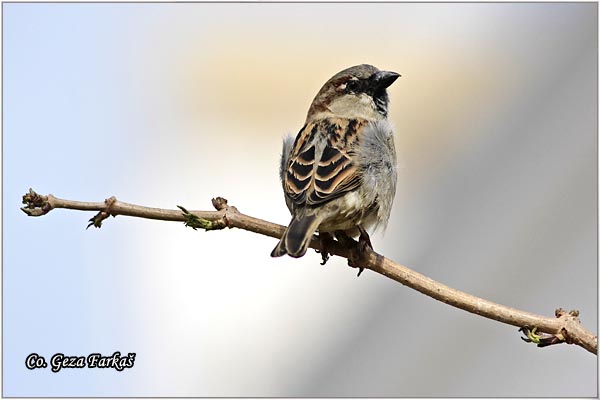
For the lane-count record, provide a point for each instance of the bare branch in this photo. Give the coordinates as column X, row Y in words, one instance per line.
column 564, row 328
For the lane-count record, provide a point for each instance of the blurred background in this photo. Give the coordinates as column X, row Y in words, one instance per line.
column 166, row 104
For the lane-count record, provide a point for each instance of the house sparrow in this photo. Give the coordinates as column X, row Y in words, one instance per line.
column 339, row 174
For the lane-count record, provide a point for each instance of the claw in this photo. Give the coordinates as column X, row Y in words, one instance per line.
column 359, row 251
column 364, row 246
column 325, row 240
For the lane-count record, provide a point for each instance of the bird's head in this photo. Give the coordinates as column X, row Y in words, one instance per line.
column 356, row 92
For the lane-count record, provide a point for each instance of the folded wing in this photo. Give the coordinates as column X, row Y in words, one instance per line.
column 321, row 166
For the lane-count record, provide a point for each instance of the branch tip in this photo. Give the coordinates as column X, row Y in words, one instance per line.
column 36, row 204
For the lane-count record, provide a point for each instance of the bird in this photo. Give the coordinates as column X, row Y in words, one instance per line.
column 339, row 172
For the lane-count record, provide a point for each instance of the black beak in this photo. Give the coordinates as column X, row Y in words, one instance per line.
column 383, row 79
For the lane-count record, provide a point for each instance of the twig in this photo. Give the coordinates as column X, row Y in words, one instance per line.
column 565, row 328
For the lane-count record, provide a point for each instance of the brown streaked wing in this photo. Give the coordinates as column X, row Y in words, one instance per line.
column 313, row 182
column 299, row 175
column 334, row 176
column 298, row 178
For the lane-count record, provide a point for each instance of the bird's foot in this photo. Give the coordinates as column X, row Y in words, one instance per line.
column 325, row 241
column 345, row 240
column 364, row 241
column 359, row 251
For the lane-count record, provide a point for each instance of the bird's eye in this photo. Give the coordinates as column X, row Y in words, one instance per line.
column 351, row 85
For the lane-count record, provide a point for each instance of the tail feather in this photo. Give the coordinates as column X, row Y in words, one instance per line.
column 296, row 237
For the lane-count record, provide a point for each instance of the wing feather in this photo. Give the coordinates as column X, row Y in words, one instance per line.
column 322, row 166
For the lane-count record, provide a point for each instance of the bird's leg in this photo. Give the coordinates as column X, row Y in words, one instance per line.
column 364, row 241
column 344, row 239
column 359, row 250
column 349, row 243
column 362, row 250
column 325, row 240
